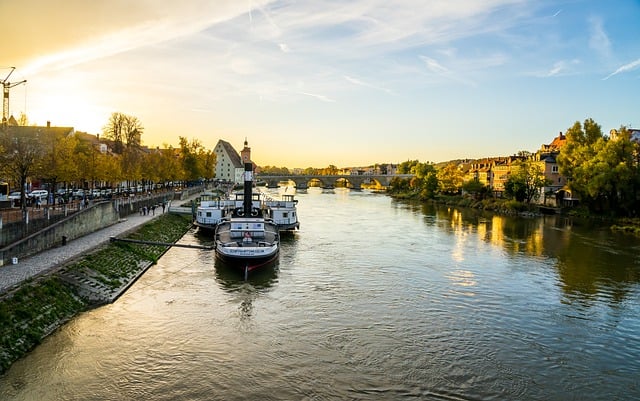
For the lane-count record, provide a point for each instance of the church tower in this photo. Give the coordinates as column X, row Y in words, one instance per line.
column 245, row 154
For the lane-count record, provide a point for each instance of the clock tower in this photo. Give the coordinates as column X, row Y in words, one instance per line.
column 245, row 154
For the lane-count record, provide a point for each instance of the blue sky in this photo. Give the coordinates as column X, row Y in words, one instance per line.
column 313, row 83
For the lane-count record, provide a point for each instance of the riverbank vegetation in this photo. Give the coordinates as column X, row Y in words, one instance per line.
column 39, row 306
column 603, row 172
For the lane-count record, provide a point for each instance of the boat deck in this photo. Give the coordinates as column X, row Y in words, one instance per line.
column 246, row 234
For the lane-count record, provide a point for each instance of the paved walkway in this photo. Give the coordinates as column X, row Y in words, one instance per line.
column 12, row 275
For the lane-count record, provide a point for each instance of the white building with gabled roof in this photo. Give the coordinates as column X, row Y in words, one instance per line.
column 229, row 163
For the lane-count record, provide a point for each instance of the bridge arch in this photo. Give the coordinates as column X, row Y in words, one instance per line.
column 355, row 181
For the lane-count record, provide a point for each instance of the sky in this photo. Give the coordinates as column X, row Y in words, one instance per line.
column 313, row 83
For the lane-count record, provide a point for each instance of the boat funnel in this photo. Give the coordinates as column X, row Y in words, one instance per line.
column 248, row 184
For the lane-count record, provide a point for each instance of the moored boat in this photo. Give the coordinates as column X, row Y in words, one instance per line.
column 246, row 237
column 283, row 212
column 210, row 212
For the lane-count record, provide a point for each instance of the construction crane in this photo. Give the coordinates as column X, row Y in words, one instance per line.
column 6, row 85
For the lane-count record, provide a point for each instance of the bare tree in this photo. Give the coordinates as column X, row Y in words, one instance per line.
column 125, row 131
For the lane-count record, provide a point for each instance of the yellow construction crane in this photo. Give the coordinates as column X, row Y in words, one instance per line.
column 6, row 85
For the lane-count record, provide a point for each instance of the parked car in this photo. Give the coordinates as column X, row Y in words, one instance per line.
column 15, row 195
column 42, row 194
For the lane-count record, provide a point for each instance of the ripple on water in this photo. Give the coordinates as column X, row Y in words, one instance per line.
column 372, row 299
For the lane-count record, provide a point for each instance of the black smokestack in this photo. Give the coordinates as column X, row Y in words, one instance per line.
column 248, row 183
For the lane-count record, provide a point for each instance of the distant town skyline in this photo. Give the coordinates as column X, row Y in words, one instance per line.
column 313, row 83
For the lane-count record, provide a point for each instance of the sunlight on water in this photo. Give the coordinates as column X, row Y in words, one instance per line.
column 371, row 299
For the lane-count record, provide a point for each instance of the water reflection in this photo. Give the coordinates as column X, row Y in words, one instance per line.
column 589, row 259
column 231, row 279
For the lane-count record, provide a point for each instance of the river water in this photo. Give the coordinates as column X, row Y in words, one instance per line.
column 372, row 299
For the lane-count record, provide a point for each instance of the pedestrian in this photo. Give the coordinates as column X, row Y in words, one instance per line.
column 163, row 206
column 153, row 210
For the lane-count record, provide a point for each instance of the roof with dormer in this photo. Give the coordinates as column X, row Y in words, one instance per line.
column 234, row 157
column 557, row 143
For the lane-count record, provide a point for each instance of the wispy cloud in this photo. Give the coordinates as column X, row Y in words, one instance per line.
column 437, row 69
column 599, row 40
column 83, row 39
column 625, row 68
column 360, row 82
column 559, row 68
column 319, row 97
column 434, row 66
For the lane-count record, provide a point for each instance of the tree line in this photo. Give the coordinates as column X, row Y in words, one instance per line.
column 603, row 171
column 54, row 157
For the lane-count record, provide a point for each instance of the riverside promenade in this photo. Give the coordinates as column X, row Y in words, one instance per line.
column 12, row 276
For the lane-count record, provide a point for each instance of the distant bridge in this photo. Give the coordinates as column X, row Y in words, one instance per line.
column 353, row 181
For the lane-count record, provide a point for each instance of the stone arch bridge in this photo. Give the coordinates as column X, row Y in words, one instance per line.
column 353, row 181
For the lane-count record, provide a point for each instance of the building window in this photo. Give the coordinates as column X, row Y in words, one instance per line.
column 554, row 169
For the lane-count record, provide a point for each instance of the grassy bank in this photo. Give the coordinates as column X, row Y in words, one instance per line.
column 631, row 226
column 497, row 205
column 38, row 307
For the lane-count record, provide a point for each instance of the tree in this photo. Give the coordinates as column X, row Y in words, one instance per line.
column 330, row 170
column 398, row 185
column 111, row 170
column 23, row 152
column 59, row 160
column 125, row 131
column 450, row 179
column 273, row 170
column 197, row 162
column 476, row 188
column 603, row 172
column 407, row 167
column 425, row 182
column 576, row 156
column 525, row 182
column 163, row 165
column 23, row 121
column 609, row 179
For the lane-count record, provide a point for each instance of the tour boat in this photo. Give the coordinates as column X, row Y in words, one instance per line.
column 246, row 237
column 283, row 212
column 210, row 211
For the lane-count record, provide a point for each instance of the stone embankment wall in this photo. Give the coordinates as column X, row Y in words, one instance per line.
column 92, row 218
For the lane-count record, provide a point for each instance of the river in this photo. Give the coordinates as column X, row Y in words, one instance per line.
column 372, row 299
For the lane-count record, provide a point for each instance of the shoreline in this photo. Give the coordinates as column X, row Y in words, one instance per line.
column 39, row 306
